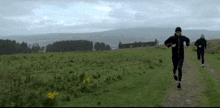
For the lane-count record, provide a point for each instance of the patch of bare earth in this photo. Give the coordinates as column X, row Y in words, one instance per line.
column 191, row 87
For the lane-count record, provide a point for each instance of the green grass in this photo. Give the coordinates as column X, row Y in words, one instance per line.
column 211, row 94
column 123, row 78
column 214, row 61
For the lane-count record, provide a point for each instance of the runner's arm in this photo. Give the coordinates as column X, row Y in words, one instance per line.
column 168, row 42
column 196, row 43
column 187, row 41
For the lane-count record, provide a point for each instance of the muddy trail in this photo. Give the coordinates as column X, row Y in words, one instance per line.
column 191, row 87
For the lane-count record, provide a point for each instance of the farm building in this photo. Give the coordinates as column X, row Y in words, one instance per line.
column 137, row 44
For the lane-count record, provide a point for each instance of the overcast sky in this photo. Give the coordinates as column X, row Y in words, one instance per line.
column 70, row 16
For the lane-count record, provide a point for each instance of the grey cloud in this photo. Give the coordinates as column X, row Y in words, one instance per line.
column 140, row 16
column 119, row 13
column 103, row 25
column 45, row 22
column 61, row 4
column 57, row 28
column 106, row 24
column 17, row 8
column 64, row 28
column 201, row 14
column 4, row 22
column 201, row 9
column 206, row 12
column 24, row 7
column 7, row 23
column 9, row 27
column 9, row 2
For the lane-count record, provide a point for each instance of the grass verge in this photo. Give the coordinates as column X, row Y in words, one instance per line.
column 210, row 96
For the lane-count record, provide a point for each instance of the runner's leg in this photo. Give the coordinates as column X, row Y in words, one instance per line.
column 198, row 55
column 174, row 65
column 180, row 64
column 203, row 58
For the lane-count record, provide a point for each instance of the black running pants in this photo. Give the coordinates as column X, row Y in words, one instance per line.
column 199, row 55
column 177, row 64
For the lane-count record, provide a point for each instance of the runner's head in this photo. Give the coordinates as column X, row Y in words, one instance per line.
column 202, row 36
column 178, row 31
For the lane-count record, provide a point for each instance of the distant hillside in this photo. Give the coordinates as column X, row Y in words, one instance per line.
column 112, row 37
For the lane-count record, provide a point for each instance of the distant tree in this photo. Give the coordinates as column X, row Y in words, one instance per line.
column 107, row 47
column 120, row 45
column 11, row 47
column 24, row 47
column 42, row 48
column 72, row 45
column 29, row 46
column 88, row 45
column 102, row 46
column 66, row 46
column 35, row 48
column 83, row 45
column 79, row 45
column 97, row 46
column 7, row 47
column 49, row 48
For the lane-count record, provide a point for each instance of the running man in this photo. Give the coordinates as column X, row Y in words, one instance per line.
column 176, row 41
column 201, row 45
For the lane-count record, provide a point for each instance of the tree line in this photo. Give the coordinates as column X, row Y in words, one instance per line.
column 12, row 47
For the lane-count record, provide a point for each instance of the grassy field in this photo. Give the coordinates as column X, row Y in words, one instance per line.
column 136, row 77
column 211, row 94
column 118, row 78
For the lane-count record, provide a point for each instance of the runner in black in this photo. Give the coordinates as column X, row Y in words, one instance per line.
column 176, row 41
column 201, row 45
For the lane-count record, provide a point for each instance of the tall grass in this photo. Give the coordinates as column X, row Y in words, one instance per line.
column 27, row 79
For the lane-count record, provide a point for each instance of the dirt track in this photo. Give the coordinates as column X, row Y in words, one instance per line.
column 191, row 87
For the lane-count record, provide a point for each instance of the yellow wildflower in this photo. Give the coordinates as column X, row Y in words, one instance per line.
column 55, row 93
column 88, row 79
column 52, row 95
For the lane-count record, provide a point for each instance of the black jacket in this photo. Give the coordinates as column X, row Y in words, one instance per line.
column 178, row 50
column 201, row 42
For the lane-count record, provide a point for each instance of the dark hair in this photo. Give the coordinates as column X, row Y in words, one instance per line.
column 178, row 29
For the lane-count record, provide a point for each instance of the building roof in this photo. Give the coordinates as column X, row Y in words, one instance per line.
column 138, row 43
